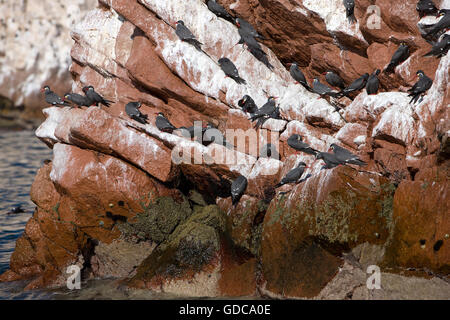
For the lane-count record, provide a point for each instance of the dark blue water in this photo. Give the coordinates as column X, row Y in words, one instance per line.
column 21, row 155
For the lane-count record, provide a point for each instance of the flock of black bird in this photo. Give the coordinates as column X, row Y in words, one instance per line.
column 248, row 37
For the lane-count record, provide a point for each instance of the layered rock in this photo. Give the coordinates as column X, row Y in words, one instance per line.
column 164, row 200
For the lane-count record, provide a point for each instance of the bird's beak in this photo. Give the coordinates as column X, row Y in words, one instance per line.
column 324, row 73
column 238, row 24
column 289, row 64
column 42, row 90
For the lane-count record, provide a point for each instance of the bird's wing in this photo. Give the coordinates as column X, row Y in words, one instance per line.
column 184, row 32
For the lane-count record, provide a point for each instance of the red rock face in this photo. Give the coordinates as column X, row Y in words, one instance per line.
column 282, row 242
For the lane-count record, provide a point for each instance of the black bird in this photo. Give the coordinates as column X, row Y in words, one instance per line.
column 293, row 176
column 238, row 187
column 260, row 55
column 400, row 55
column 52, row 98
column 219, row 11
column 334, row 80
column 211, row 134
column 349, row 10
column 442, row 24
column 330, row 160
column 346, row 156
column 356, row 85
column 440, row 48
column 16, row 210
column 322, row 89
column 163, row 124
column 249, row 40
column 186, row 35
column 373, row 83
column 230, row 70
column 420, row 87
column 248, row 104
column 248, row 28
column 269, row 151
column 426, row 7
column 78, row 99
column 298, row 76
column 267, row 109
column 95, row 97
column 132, row 110
column 273, row 115
column 295, row 142
column 190, row 131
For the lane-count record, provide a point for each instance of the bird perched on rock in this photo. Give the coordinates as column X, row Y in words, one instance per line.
column 219, row 11
column 269, row 151
column 186, row 35
column 400, row 55
column 350, row 10
column 230, row 70
column 163, row 124
column 440, row 48
column 78, row 99
column 298, row 76
column 211, row 134
column 238, row 187
column 441, row 25
column 426, row 7
column 330, row 160
column 296, row 142
column 273, row 115
column 52, row 98
column 248, row 104
column 268, row 108
column 293, row 176
column 373, row 83
column 322, row 89
column 254, row 47
column 132, row 110
column 248, row 28
column 260, row 55
column 95, row 97
column 334, row 80
column 356, row 85
column 420, row 87
column 346, row 156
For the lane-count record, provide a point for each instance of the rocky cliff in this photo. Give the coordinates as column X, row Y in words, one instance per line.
column 114, row 200
column 35, row 49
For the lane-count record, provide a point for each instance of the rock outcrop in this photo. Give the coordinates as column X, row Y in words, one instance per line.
column 115, row 185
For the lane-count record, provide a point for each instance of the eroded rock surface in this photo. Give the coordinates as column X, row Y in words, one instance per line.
column 116, row 183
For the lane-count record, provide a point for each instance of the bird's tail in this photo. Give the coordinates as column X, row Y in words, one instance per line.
column 139, row 119
column 229, row 18
column 107, row 103
column 307, row 87
column 414, row 98
column 197, row 44
column 240, row 80
column 351, row 18
column 357, row 162
column 389, row 69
